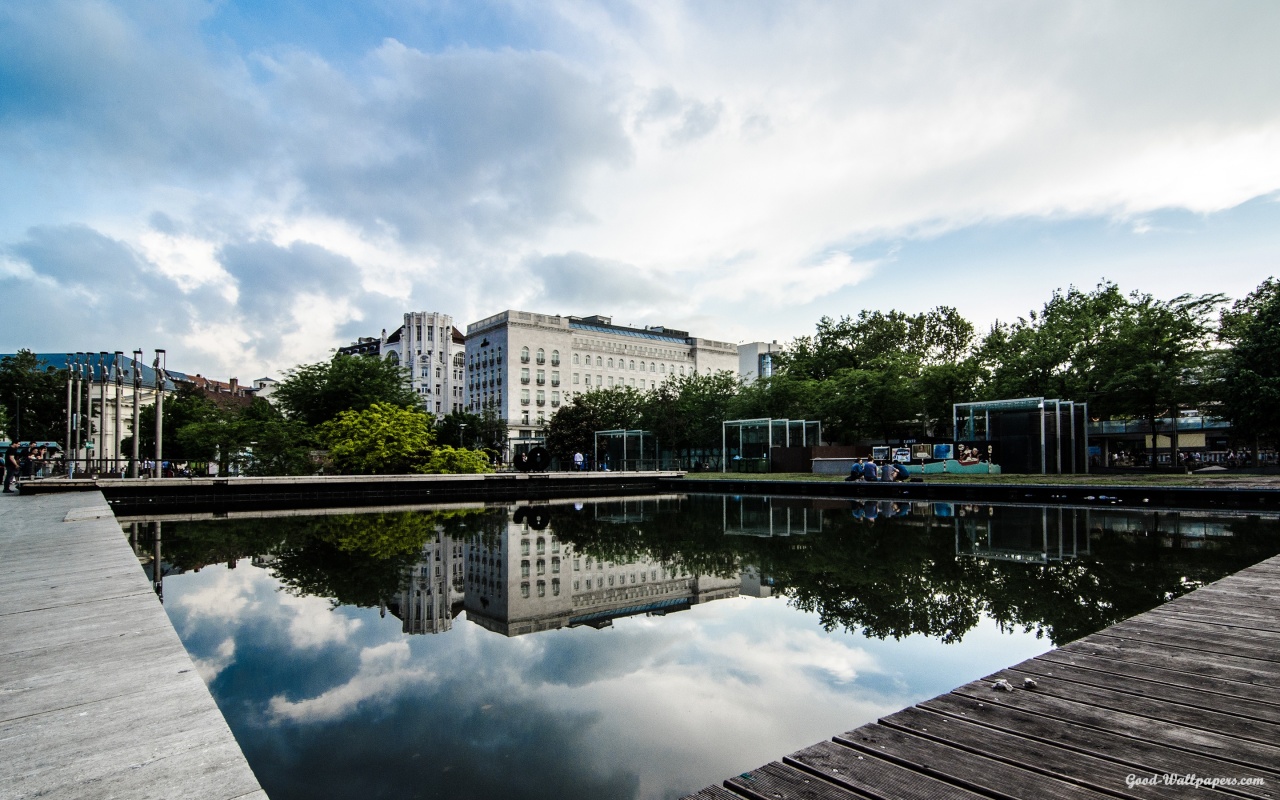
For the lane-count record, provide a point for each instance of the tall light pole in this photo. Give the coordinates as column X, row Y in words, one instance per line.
column 158, row 470
column 137, row 393
column 66, row 443
column 462, row 427
column 119, row 388
column 102, row 414
column 79, row 432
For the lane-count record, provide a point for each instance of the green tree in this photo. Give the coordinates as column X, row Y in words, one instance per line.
column 380, row 439
column 454, row 461
column 34, row 399
column 280, row 446
column 186, row 406
column 686, row 413
column 1250, row 385
column 931, row 337
column 1155, row 361
column 221, row 436
column 316, row 393
column 572, row 429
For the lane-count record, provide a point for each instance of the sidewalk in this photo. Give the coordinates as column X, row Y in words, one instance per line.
column 98, row 697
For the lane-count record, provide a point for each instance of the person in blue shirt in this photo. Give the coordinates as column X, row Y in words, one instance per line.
column 899, row 473
column 870, row 471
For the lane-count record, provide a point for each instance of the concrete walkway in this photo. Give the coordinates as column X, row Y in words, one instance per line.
column 98, row 697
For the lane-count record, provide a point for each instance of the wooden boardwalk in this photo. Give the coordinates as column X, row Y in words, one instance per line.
column 1191, row 688
column 98, row 697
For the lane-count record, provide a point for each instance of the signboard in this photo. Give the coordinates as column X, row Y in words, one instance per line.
column 943, row 451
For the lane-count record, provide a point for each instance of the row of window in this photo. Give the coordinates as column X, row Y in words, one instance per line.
column 541, row 357
column 651, row 366
column 542, row 588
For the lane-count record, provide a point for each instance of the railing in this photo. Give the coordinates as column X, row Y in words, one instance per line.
column 542, row 381
column 524, row 379
column 1163, row 426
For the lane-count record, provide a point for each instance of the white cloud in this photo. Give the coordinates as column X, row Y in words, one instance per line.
column 705, row 164
column 385, row 671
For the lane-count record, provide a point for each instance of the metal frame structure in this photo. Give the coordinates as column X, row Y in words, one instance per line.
column 783, row 427
column 1027, row 404
column 626, row 435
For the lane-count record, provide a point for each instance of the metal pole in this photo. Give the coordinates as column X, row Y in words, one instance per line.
column 102, row 415
column 1084, row 421
column 1043, row 465
column 158, row 470
column 1057, row 427
column 66, row 443
column 137, row 394
column 75, row 452
column 118, row 389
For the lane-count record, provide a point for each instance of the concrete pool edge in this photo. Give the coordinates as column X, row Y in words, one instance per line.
column 101, row 698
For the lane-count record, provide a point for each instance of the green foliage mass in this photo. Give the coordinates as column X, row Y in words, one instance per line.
column 316, row 393
column 379, row 439
column 33, row 395
column 1251, row 368
column 454, row 461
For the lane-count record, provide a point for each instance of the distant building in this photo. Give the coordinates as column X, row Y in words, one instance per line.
column 527, row 365
column 431, row 350
column 527, row 580
column 265, row 387
column 755, row 360
column 433, row 593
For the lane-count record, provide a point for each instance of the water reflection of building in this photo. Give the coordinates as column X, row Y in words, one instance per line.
column 528, row 581
column 773, row 516
column 433, row 594
column 1022, row 533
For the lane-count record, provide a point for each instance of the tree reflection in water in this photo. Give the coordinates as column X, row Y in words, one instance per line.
column 884, row 569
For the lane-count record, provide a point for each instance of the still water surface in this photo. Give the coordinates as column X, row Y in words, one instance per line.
column 634, row 648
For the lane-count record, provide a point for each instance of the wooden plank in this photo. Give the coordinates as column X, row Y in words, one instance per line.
column 775, row 781
column 1157, row 709
column 1233, row 617
column 1223, row 667
column 1031, row 754
column 1220, row 745
column 1145, row 689
column 1121, row 748
column 969, row 769
column 1197, row 645
column 872, row 776
column 1264, row 643
column 1229, row 690
column 712, row 793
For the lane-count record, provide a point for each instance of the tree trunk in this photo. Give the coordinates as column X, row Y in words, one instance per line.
column 1173, row 438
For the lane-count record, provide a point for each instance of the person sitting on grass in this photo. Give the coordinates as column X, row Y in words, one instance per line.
column 870, row 471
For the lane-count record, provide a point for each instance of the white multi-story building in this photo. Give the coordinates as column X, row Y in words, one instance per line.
column 528, row 580
column 756, row 360
column 527, row 366
column 431, row 350
column 433, row 592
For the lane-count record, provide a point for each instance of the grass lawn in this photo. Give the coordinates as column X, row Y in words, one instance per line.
column 1219, row 479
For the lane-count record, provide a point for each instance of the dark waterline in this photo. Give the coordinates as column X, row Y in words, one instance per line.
column 725, row 631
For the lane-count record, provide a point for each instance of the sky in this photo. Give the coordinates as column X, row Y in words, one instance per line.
column 252, row 184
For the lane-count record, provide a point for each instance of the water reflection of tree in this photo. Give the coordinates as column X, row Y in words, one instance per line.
column 901, row 575
column 353, row 559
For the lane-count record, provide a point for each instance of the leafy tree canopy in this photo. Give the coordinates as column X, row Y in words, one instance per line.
column 316, row 393
column 1251, row 370
column 34, row 399
column 380, row 439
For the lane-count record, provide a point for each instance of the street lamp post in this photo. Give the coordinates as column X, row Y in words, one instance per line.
column 462, row 427
column 102, row 414
column 66, row 442
column 137, row 393
column 158, row 470
column 119, row 389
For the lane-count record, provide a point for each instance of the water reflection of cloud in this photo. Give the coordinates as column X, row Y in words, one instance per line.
column 223, row 657
column 313, row 621
column 386, row 671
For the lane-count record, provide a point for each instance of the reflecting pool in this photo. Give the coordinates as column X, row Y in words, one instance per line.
column 638, row 647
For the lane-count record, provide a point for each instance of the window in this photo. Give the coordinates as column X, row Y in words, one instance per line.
column 524, row 375
column 633, row 365
column 600, row 380
column 542, row 566
column 599, row 361
column 542, row 397
column 555, row 586
column 555, row 399
column 524, row 355
column 611, row 363
column 555, row 377
column 642, row 366
column 575, row 358
column 555, row 565
column 555, row 358
column 524, row 569
column 524, row 397
column 653, row 367
column 542, row 588
column 524, row 589
column 542, row 356
column 575, row 379
column 524, row 418
column 542, row 377
column 633, row 381
column 577, row 565
column 542, row 545
column 663, row 369
column 610, row 381
column 576, row 585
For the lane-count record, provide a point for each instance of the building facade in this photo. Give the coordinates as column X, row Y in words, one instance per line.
column 756, row 360
column 431, row 350
column 527, row 366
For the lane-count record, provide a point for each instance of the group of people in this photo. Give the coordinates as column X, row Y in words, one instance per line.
column 866, row 469
column 22, row 462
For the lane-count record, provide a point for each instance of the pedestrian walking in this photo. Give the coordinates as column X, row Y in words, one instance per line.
column 11, row 467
